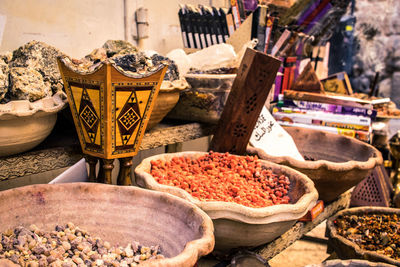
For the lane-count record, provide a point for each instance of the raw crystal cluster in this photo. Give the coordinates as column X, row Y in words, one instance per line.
column 30, row 73
column 69, row 246
column 126, row 58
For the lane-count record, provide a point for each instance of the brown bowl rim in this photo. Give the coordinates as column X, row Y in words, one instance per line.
column 376, row 159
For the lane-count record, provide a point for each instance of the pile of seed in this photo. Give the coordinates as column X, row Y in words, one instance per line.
column 69, row 246
column 224, row 177
column 378, row 233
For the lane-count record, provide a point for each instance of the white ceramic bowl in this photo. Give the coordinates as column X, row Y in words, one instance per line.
column 237, row 225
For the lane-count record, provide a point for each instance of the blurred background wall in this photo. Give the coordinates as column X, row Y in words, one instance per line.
column 76, row 27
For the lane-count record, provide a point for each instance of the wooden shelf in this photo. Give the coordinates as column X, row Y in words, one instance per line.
column 61, row 149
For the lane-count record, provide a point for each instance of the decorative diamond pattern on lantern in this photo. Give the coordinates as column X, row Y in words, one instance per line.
column 88, row 115
column 129, row 119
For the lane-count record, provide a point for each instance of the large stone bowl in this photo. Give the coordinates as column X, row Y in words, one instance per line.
column 117, row 214
column 237, row 225
column 345, row 249
column 24, row 124
column 340, row 162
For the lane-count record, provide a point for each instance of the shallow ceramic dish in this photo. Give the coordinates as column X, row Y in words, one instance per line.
column 346, row 249
column 166, row 100
column 340, row 162
column 26, row 124
column 118, row 214
column 237, row 225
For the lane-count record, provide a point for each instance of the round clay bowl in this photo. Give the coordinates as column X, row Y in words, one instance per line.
column 166, row 100
column 345, row 249
column 24, row 125
column 237, row 225
column 118, row 214
column 341, row 161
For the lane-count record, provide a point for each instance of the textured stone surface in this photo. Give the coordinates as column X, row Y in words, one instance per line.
column 27, row 84
column 118, row 47
column 42, row 58
column 3, row 80
column 378, row 38
column 172, row 73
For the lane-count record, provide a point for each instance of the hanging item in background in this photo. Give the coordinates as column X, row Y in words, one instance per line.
column 186, row 29
column 258, row 29
column 308, row 81
column 270, row 29
column 204, row 26
column 283, row 39
column 238, row 12
column 269, row 136
column 338, row 83
column 320, row 59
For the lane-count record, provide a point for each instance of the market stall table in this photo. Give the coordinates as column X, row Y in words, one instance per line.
column 272, row 249
column 61, row 150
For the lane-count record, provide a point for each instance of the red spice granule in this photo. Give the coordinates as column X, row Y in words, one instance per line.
column 224, row 177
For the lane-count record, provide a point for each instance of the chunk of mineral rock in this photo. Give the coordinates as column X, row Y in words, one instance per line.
column 118, row 47
column 172, row 73
column 4, row 70
column 40, row 57
column 28, row 84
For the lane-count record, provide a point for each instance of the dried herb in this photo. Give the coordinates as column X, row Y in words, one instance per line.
column 378, row 233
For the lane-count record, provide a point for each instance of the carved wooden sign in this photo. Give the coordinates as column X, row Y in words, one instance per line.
column 249, row 92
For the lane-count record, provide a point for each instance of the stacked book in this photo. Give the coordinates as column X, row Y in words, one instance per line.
column 352, row 120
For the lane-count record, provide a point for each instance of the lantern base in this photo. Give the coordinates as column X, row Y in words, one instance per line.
column 105, row 170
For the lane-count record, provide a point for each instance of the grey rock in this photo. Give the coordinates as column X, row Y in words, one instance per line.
column 6, row 57
column 172, row 73
column 40, row 57
column 4, row 70
column 97, row 55
column 28, row 84
column 118, row 47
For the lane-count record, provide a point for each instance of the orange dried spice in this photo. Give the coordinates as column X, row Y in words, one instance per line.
column 224, row 177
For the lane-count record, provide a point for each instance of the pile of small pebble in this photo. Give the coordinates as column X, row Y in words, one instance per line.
column 69, row 246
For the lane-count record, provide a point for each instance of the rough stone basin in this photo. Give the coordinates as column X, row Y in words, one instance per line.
column 340, row 162
column 345, row 249
column 237, row 225
column 116, row 214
